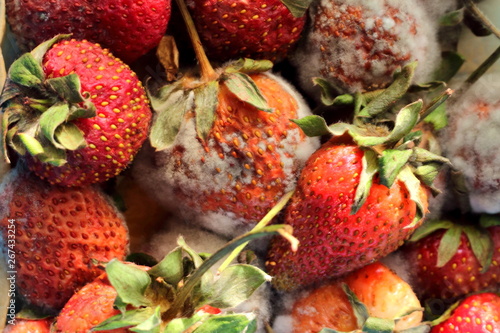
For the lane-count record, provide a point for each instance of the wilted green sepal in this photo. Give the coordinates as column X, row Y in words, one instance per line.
column 370, row 168
column 391, row 163
column 127, row 319
column 449, row 67
column 249, row 66
column 206, row 99
column 243, row 87
column 51, row 119
column 413, row 185
column 26, row 71
column 452, row 18
column 329, row 93
column 70, row 137
column 297, row 7
column 360, row 310
column 39, row 51
column 31, row 144
column 67, row 87
column 312, row 125
column 151, row 324
column 171, row 268
column 448, row 245
column 129, row 282
column 233, row 323
column 378, row 325
column 489, row 220
column 427, row 173
column 428, row 228
column 481, row 244
column 235, row 284
column 181, row 325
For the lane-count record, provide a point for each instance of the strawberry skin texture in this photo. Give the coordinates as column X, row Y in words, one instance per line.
column 460, row 276
column 58, row 231
column 29, row 326
column 478, row 313
column 333, row 242
column 233, row 29
column 89, row 307
column 129, row 28
column 122, row 119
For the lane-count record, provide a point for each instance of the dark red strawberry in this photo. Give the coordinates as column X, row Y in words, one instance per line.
column 229, row 30
column 478, row 313
column 80, row 114
column 451, row 260
column 53, row 234
column 129, row 28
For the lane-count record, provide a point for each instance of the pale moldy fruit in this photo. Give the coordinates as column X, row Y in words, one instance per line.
column 357, row 45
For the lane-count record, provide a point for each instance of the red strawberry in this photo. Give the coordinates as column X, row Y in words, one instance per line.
column 53, row 234
column 234, row 29
column 79, row 117
column 129, row 28
column 29, row 326
column 478, row 313
column 451, row 260
column 384, row 294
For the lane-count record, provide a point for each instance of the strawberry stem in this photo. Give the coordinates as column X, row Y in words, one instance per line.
column 474, row 9
column 207, row 71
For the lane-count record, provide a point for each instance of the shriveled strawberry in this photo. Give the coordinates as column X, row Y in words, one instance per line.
column 79, row 116
column 476, row 314
column 54, row 233
column 451, row 260
column 385, row 295
column 129, row 28
column 29, row 326
column 232, row 29
column 358, row 197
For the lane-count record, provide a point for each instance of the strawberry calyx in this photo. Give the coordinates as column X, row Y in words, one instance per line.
column 478, row 236
column 297, row 7
column 39, row 111
column 387, row 136
column 170, row 294
column 369, row 324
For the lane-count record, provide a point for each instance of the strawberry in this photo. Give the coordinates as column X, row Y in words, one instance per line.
column 384, row 294
column 451, row 260
column 358, row 45
column 29, row 326
column 129, row 28
column 358, row 198
column 79, row 116
column 225, row 150
column 475, row 314
column 52, row 234
column 232, row 29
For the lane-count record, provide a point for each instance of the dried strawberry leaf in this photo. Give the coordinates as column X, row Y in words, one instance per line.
column 67, row 87
column 129, row 282
column 234, row 285
column 232, row 323
column 391, row 162
column 370, row 168
column 170, row 268
column 248, row 66
column 297, row 7
column 26, row 71
column 394, row 92
column 482, row 246
column 448, row 245
column 312, row 125
column 127, row 319
column 378, row 325
column 246, row 90
column 428, row 228
column 360, row 310
column 206, row 100
column 413, row 186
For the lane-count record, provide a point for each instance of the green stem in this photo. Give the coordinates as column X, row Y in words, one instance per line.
column 474, row 9
column 207, row 71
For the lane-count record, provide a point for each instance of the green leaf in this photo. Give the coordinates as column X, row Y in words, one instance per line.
column 297, row 7
column 329, row 93
column 127, row 319
column 360, row 310
column 424, row 156
column 424, row 328
column 234, row 323
column 370, row 168
column 430, row 227
column 206, row 99
column 51, row 154
column 205, row 280
column 26, row 71
column 169, row 119
column 391, row 162
column 393, row 93
column 181, row 325
column 312, row 125
column 243, row 87
column 449, row 66
column 50, row 121
column 413, row 186
column 448, row 245
column 32, row 145
column 76, row 112
column 171, row 268
column 39, row 51
column 482, row 246
column 129, row 281
column 67, row 87
column 488, row 220
column 70, row 136
column 378, row 325
column 249, row 66
column 452, row 18
column 235, row 285
column 151, row 324
column 427, row 173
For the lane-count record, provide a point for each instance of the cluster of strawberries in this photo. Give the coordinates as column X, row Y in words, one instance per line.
column 224, row 148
